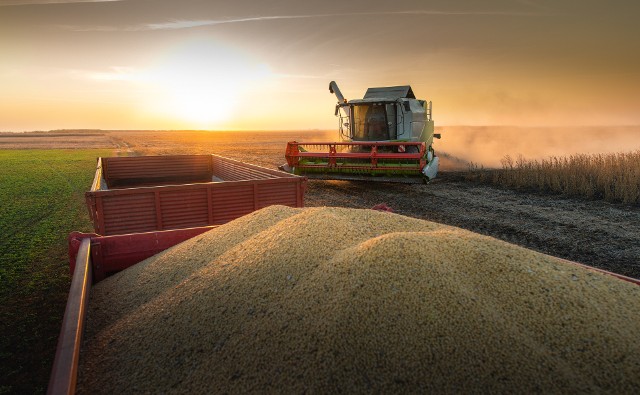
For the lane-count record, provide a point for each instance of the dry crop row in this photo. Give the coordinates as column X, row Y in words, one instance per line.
column 613, row 177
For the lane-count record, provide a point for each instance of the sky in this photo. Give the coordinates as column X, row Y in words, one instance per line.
column 266, row 65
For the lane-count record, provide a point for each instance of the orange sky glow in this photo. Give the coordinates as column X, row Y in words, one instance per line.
column 246, row 65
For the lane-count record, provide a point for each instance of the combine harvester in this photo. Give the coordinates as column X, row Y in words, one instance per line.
column 385, row 136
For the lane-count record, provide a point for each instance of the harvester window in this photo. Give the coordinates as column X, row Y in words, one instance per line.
column 370, row 122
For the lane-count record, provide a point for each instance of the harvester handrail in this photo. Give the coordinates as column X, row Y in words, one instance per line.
column 365, row 143
column 294, row 154
column 361, row 155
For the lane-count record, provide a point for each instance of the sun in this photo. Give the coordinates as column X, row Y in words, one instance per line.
column 200, row 100
column 203, row 84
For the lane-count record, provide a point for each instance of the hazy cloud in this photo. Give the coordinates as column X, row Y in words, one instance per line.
column 187, row 24
column 115, row 73
column 300, row 76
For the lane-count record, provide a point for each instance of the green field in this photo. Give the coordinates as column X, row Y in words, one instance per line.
column 41, row 201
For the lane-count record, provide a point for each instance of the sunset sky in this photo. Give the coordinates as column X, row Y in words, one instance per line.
column 170, row 64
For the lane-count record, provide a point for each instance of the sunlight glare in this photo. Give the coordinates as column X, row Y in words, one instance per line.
column 203, row 83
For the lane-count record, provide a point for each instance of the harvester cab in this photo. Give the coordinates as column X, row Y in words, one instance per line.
column 384, row 114
column 385, row 136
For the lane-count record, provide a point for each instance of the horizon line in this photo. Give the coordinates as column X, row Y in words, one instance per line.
column 307, row 130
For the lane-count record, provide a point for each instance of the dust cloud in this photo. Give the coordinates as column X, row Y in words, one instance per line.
column 487, row 145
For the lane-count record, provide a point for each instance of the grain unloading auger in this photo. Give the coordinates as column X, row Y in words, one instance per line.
column 385, row 136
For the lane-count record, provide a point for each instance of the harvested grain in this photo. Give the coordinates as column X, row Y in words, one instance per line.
column 329, row 299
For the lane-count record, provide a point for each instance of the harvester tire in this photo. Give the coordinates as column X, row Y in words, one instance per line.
column 412, row 149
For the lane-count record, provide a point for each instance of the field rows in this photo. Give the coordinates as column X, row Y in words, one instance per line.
column 41, row 201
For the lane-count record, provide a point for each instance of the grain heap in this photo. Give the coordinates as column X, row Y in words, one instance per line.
column 329, row 299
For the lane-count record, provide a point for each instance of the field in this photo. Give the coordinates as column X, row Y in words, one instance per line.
column 41, row 201
column 56, row 140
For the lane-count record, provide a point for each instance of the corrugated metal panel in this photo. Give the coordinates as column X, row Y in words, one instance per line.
column 175, row 167
column 281, row 193
column 229, row 171
column 232, row 201
column 129, row 213
column 188, row 208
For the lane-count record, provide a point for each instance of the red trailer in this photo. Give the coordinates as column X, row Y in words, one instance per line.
column 151, row 193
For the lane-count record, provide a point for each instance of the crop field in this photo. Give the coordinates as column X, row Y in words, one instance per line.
column 41, row 201
column 611, row 177
column 77, row 139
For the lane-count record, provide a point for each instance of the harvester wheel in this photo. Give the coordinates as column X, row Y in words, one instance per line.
column 412, row 149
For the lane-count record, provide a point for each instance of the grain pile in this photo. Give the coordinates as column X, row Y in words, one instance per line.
column 343, row 300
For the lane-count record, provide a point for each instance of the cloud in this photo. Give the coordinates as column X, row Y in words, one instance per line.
column 40, row 2
column 114, row 73
column 188, row 24
column 301, row 76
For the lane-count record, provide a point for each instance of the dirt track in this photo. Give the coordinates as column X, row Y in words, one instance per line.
column 595, row 233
